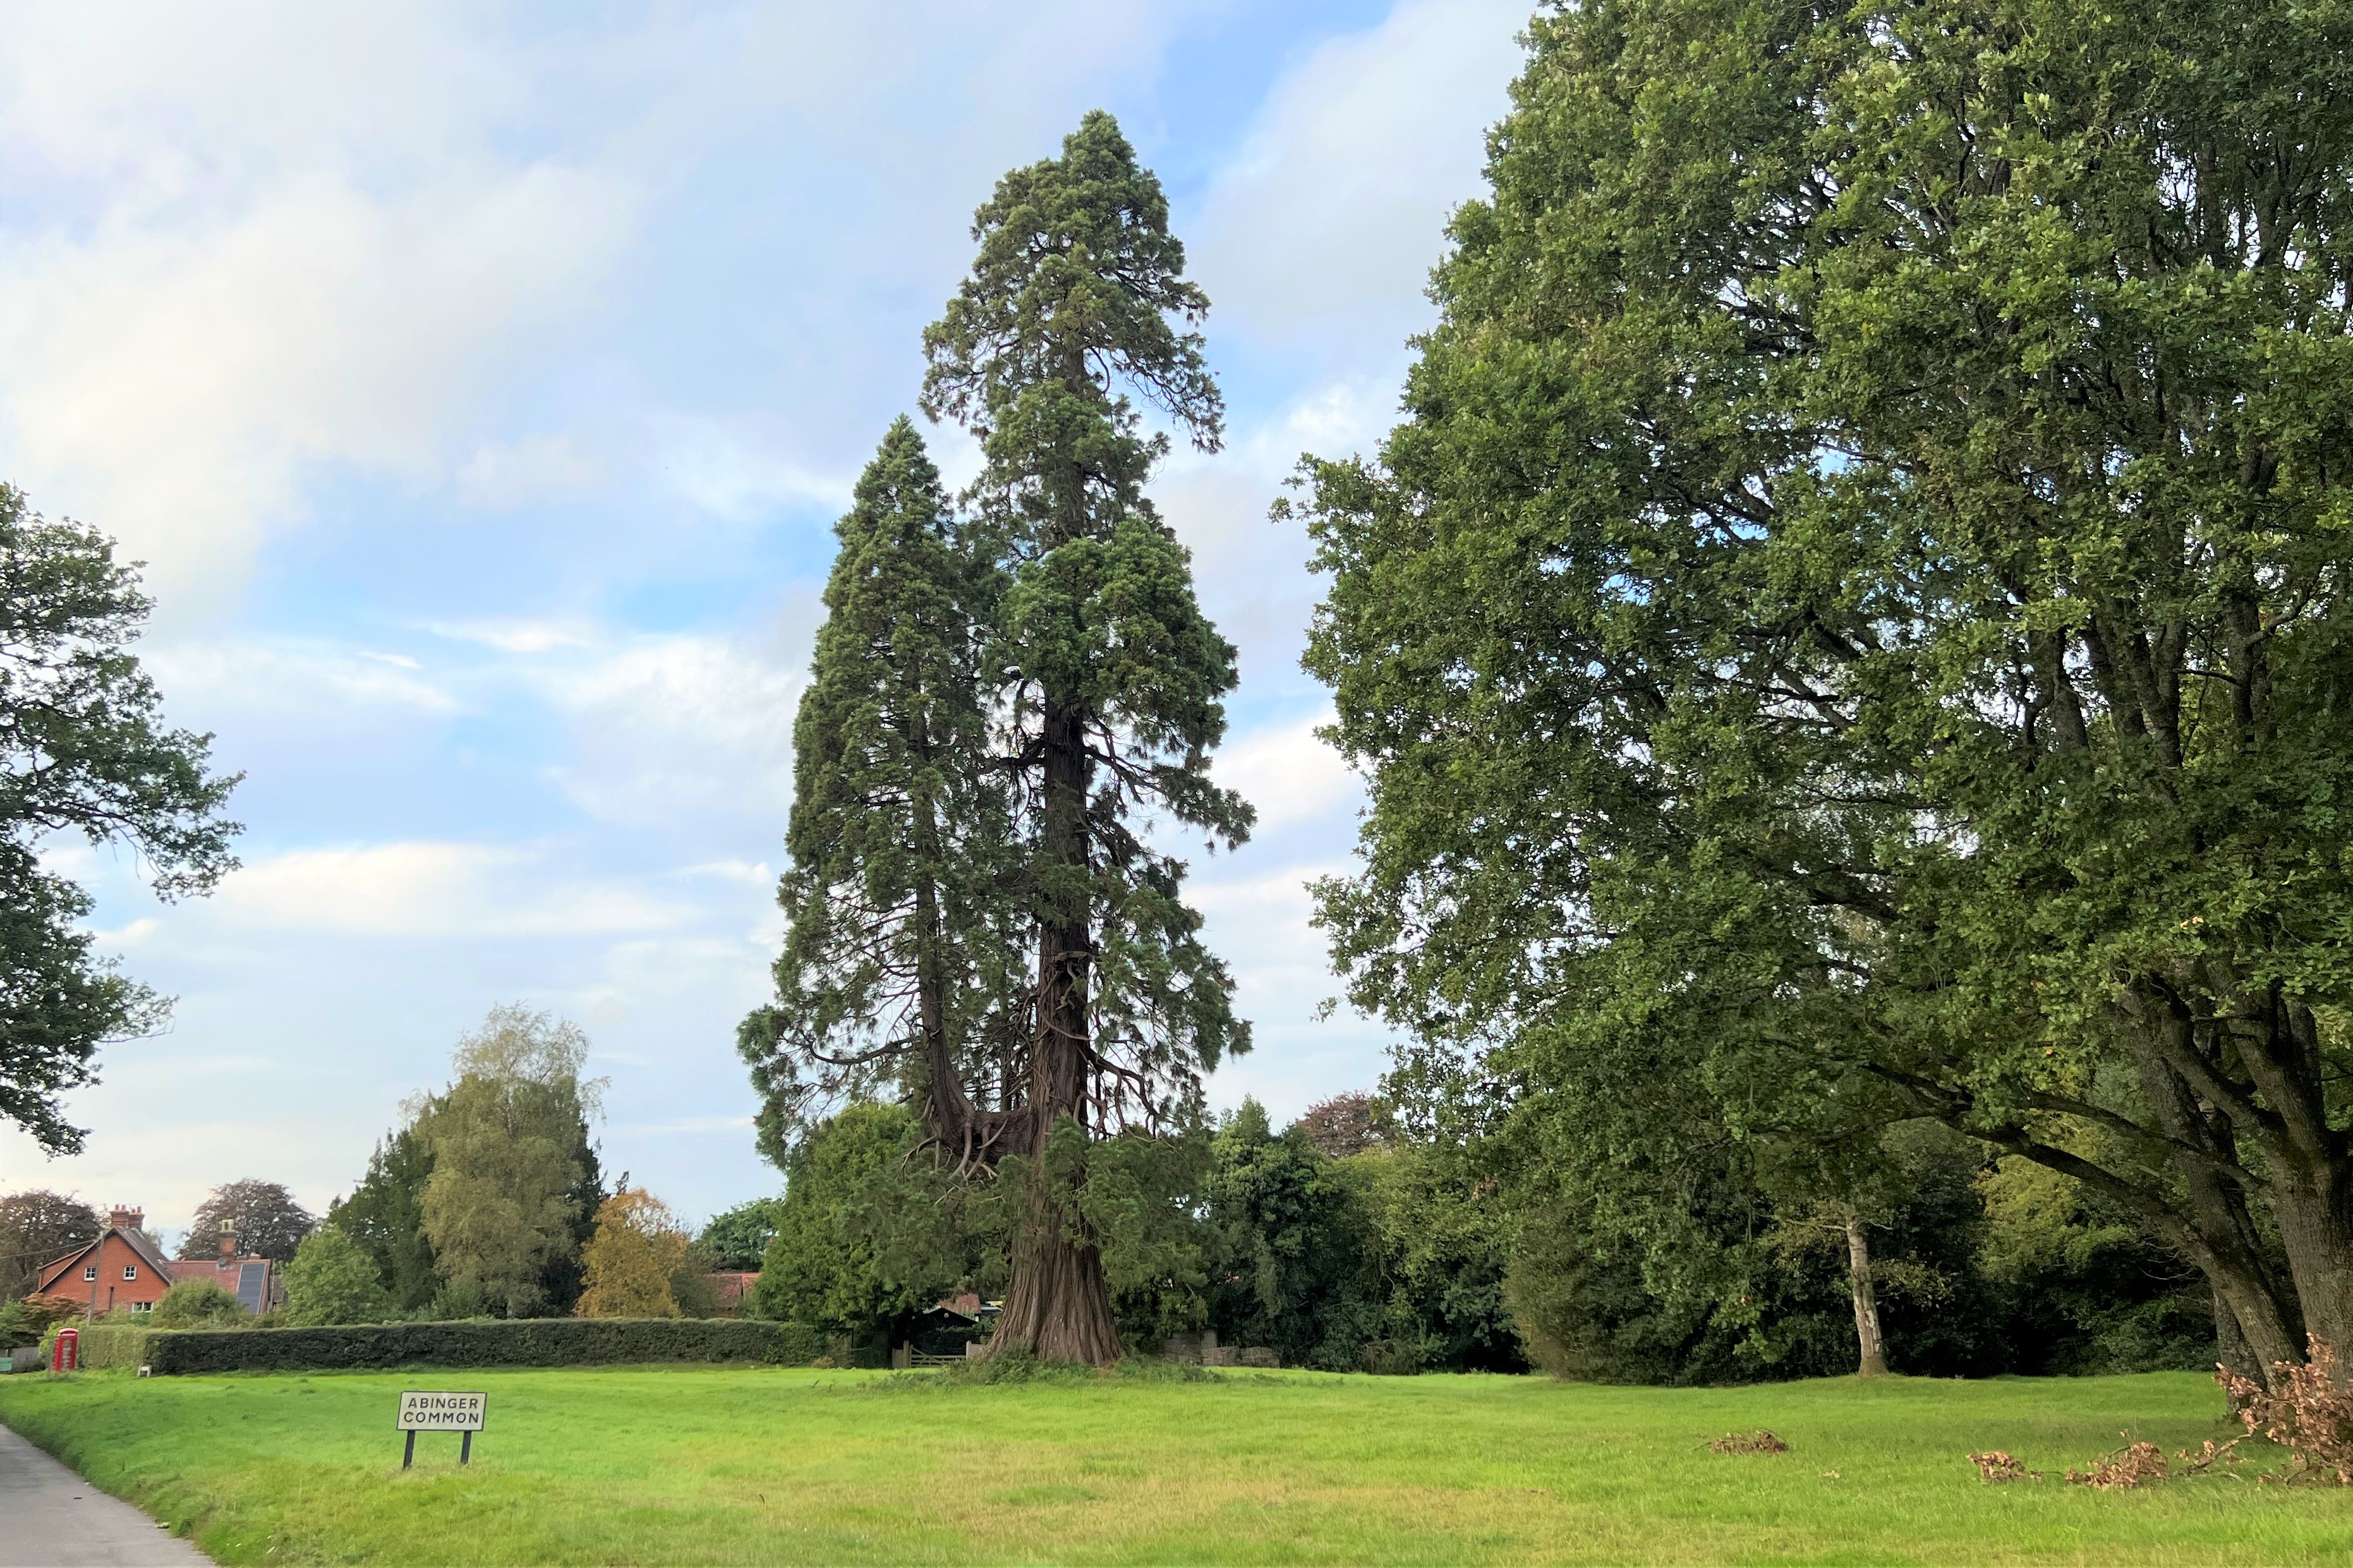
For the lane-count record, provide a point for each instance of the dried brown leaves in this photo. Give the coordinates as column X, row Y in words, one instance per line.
column 2134, row 1465
column 1998, row 1466
column 2312, row 1415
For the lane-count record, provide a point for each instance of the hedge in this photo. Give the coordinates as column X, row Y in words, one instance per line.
column 527, row 1342
column 103, row 1345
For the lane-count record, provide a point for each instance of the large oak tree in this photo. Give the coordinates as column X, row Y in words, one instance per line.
column 84, row 753
column 1856, row 617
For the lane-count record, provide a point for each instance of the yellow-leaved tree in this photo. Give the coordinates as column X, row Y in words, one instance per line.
column 630, row 1262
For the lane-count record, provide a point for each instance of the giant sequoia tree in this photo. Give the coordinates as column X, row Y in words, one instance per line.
column 1062, row 612
column 1856, row 617
column 84, row 751
column 901, row 962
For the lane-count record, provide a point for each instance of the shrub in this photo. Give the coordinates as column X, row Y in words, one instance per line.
column 528, row 1341
column 22, row 1322
column 197, row 1303
column 330, row 1280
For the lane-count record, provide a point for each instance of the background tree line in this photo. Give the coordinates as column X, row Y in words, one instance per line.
column 1346, row 1243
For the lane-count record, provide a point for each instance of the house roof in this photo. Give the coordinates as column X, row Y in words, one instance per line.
column 139, row 1241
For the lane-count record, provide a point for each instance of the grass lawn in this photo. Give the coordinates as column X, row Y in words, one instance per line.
column 702, row 1465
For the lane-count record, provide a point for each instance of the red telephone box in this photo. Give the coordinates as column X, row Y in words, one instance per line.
column 67, row 1356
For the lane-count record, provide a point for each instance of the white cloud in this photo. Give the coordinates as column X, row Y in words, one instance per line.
column 246, row 243
column 435, row 890
column 545, row 467
column 1325, row 227
column 301, row 676
column 516, row 636
column 752, row 873
column 173, row 381
column 1287, row 773
column 739, row 479
column 674, row 727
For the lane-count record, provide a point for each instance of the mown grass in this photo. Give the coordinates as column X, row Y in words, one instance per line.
column 704, row 1465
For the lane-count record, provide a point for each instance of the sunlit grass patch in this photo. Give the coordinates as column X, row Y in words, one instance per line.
column 736, row 1465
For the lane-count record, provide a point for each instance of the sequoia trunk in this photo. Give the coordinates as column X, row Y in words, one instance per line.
column 1059, row 1303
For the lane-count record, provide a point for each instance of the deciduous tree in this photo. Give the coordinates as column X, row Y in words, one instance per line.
column 632, row 1261
column 503, row 1207
column 38, row 1228
column 266, row 1221
column 739, row 1238
column 84, row 751
column 1859, row 595
column 332, row 1280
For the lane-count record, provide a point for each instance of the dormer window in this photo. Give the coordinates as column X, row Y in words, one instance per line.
column 130, row 1272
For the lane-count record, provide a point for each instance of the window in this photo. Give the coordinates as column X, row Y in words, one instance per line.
column 142, row 1306
column 130, row 1272
column 90, row 1272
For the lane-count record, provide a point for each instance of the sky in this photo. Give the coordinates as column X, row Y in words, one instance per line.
column 479, row 383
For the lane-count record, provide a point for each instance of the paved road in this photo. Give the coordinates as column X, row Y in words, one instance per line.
column 51, row 1518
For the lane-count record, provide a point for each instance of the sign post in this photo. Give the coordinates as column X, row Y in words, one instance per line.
column 422, row 1411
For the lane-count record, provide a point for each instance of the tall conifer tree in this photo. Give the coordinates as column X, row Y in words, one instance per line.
column 999, row 707
column 900, row 960
column 1106, row 676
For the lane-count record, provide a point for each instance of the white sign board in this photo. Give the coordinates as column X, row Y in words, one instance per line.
column 422, row 1412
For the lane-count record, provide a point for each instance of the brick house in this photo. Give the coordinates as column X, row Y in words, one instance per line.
column 124, row 1270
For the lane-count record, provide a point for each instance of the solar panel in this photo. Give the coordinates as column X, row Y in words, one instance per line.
column 250, row 1277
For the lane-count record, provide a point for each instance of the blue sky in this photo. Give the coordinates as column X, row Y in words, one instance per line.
column 480, row 383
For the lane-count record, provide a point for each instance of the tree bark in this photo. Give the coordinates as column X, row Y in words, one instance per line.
column 1059, row 1304
column 2311, row 1185
column 2231, row 1350
column 1873, row 1359
column 2221, row 1237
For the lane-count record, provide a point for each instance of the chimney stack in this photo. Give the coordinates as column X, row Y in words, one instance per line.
column 122, row 1218
column 229, row 1240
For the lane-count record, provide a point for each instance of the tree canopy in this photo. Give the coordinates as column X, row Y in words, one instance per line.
column 1855, row 618
column 384, row 1215
column 630, row 1265
column 266, row 1220
column 332, row 1280
column 38, row 1228
column 84, row 751
column 513, row 1189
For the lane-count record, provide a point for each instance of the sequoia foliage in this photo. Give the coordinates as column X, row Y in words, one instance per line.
column 1853, row 627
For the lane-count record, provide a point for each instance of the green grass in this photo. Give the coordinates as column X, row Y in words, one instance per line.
column 703, row 1465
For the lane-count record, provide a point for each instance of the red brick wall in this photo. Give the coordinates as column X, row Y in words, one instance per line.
column 114, row 1292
